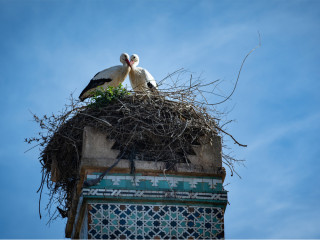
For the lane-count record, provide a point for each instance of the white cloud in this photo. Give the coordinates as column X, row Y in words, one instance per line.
column 270, row 135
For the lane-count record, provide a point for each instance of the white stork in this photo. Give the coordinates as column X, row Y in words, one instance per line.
column 112, row 76
column 141, row 80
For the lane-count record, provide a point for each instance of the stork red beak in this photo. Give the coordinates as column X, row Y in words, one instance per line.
column 127, row 61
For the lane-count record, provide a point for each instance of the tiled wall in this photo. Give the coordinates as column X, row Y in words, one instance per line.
column 137, row 221
column 175, row 207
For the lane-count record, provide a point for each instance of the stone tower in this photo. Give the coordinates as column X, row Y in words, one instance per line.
column 153, row 203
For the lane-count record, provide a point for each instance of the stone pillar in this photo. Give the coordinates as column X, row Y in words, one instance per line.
column 187, row 203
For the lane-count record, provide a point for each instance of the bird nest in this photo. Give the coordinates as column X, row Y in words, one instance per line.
column 147, row 127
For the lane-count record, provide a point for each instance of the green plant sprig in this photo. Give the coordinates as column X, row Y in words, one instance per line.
column 103, row 96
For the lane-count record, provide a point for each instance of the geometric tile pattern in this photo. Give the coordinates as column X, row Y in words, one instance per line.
column 154, row 221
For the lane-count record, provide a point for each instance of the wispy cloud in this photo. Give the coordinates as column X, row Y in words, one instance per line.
column 270, row 135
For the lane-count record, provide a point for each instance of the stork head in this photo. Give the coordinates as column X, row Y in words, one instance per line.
column 134, row 60
column 124, row 58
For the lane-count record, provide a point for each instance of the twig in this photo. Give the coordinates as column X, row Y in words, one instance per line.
column 243, row 61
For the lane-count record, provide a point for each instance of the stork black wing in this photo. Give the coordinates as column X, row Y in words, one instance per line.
column 150, row 85
column 96, row 74
column 95, row 83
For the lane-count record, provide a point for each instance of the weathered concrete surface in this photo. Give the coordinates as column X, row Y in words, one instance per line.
column 208, row 154
column 96, row 146
column 97, row 153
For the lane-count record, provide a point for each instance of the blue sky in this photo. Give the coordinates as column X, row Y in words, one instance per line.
column 52, row 48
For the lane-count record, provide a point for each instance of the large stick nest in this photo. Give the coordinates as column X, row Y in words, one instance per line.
column 161, row 127
column 155, row 128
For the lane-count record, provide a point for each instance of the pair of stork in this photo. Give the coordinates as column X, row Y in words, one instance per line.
column 141, row 80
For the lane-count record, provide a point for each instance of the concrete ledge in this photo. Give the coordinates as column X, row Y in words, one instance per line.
column 101, row 164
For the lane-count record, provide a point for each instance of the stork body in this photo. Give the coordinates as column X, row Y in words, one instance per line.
column 112, row 76
column 141, row 80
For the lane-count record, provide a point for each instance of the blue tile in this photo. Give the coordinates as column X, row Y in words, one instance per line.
column 208, row 210
column 190, row 224
column 93, row 211
column 173, row 209
column 105, row 236
column 105, row 221
column 173, row 223
column 208, row 225
column 105, row 206
column 122, row 222
column 132, row 207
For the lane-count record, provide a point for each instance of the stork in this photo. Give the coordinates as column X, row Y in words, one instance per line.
column 141, row 80
column 112, row 76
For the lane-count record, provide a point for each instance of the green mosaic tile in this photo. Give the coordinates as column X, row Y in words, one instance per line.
column 183, row 224
column 166, row 230
column 164, row 223
column 173, row 233
column 95, row 221
column 107, row 183
column 181, row 230
column 130, row 222
column 219, row 187
column 206, row 187
column 182, row 186
column 163, row 185
column 143, row 185
column 198, row 224
column 125, row 184
column 207, row 234
column 217, row 226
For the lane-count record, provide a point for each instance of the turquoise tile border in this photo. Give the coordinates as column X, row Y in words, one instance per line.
column 160, row 183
